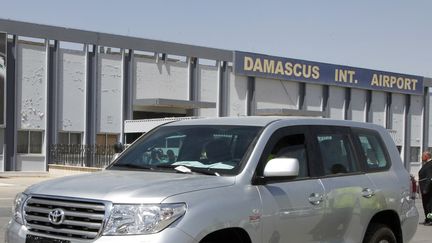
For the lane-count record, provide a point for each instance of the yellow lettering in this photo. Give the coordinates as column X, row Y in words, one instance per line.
column 414, row 82
column 268, row 66
column 400, row 83
column 386, row 79
column 288, row 69
column 279, row 68
column 297, row 73
column 375, row 80
column 248, row 63
column 307, row 71
column 315, row 72
column 258, row 65
column 407, row 84
column 351, row 76
column 392, row 81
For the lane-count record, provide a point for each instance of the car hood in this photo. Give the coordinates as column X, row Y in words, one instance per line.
column 128, row 186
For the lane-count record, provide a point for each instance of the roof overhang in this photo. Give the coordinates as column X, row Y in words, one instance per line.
column 288, row 112
column 184, row 104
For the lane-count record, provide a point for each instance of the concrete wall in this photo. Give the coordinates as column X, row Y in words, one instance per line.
column 272, row 93
column 109, row 93
column 378, row 108
column 398, row 111
column 71, row 88
column 208, row 88
column 336, row 102
column 30, row 162
column 2, row 147
column 416, row 111
column 160, row 80
column 314, row 97
column 31, row 85
column 358, row 105
column 237, row 91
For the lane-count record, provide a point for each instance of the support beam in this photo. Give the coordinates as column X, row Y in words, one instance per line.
column 127, row 64
column 11, row 109
column 407, row 135
column 368, row 106
column 426, row 119
column 193, row 83
column 222, row 104
column 52, row 98
column 348, row 112
column 302, row 95
column 91, row 95
column 389, row 114
column 325, row 95
column 250, row 97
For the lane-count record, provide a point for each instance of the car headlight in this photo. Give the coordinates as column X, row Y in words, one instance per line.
column 132, row 219
column 17, row 208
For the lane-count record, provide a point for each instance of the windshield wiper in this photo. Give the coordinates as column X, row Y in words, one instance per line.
column 133, row 166
column 188, row 169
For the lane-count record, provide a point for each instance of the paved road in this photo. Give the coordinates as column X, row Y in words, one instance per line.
column 10, row 186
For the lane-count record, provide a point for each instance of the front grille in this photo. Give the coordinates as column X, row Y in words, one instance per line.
column 82, row 219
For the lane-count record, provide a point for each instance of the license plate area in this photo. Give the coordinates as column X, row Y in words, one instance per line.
column 40, row 239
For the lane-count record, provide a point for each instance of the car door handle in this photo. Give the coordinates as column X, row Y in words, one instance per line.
column 368, row 193
column 315, row 198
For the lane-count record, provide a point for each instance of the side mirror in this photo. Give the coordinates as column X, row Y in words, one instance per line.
column 282, row 167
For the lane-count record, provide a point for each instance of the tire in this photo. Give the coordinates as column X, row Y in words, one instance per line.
column 379, row 233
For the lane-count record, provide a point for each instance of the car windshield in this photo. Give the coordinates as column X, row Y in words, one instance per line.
column 219, row 149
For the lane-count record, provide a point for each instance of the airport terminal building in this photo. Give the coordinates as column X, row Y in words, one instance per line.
column 65, row 86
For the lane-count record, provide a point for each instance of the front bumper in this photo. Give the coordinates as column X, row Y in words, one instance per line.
column 16, row 233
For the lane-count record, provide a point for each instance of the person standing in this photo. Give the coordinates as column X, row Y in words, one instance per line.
column 425, row 177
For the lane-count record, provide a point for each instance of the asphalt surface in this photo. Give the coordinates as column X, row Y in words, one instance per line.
column 11, row 184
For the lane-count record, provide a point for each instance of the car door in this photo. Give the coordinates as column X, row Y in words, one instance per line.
column 292, row 207
column 348, row 191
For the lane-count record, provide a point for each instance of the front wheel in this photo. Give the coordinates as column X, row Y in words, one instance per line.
column 379, row 233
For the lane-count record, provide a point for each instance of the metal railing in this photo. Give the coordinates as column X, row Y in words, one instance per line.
column 81, row 155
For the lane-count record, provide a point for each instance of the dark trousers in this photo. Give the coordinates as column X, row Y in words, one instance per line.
column 427, row 205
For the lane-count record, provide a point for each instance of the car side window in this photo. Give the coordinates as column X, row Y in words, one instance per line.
column 373, row 151
column 337, row 154
column 292, row 146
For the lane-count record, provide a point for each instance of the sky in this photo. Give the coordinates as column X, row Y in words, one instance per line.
column 387, row 35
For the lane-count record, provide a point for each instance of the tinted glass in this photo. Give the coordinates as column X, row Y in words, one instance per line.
column 75, row 138
column 336, row 153
column 23, row 142
column 373, row 151
column 218, row 148
column 292, row 146
column 35, row 142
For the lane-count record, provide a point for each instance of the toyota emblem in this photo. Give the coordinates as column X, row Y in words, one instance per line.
column 56, row 216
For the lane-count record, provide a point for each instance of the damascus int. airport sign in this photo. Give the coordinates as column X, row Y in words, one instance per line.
column 258, row 65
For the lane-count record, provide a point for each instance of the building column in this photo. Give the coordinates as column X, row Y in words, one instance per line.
column 11, row 109
column 348, row 112
column 389, row 114
column 250, row 97
column 127, row 92
column 407, row 135
column 52, row 98
column 426, row 119
column 222, row 108
column 368, row 106
column 193, row 83
column 302, row 95
column 325, row 97
column 91, row 94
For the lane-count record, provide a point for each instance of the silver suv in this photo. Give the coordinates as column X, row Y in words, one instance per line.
column 250, row 179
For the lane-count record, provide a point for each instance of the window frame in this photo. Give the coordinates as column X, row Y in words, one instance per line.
column 363, row 159
column 317, row 130
column 69, row 137
column 29, row 132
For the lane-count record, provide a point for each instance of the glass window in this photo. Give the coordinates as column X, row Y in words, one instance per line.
column 292, row 146
column 336, row 153
column 111, row 139
column 373, row 151
column 63, row 138
column 213, row 148
column 101, row 139
column 415, row 154
column 75, row 138
column 23, row 142
column 35, row 142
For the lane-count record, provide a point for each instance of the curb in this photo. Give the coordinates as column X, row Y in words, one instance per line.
column 73, row 168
